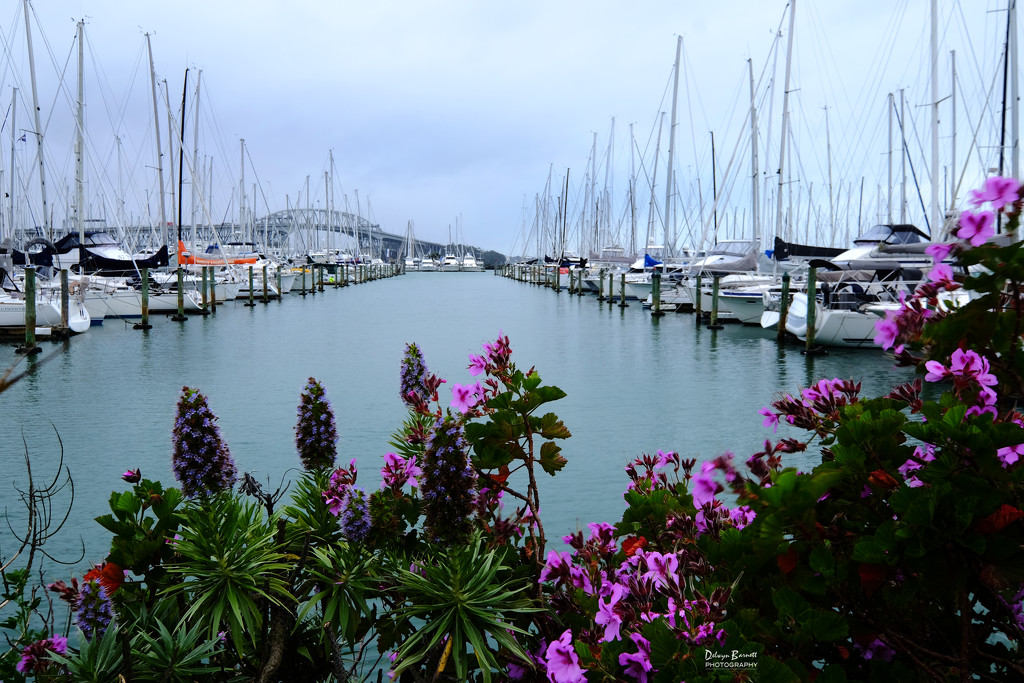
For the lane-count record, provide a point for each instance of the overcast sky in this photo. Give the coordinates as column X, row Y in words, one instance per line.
column 452, row 113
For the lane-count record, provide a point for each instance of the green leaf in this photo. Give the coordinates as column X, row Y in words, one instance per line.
column 550, row 458
column 821, row 561
column 550, row 427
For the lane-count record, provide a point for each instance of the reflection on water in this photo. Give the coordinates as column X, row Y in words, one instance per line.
column 635, row 384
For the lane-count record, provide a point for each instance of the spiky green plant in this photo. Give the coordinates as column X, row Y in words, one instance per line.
column 464, row 601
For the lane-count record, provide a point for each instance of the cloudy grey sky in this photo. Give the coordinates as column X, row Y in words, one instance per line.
column 452, row 113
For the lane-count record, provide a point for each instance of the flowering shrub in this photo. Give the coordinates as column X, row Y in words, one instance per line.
column 897, row 557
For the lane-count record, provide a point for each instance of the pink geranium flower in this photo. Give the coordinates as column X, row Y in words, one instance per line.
column 1010, row 454
column 976, row 227
column 998, row 190
column 464, row 397
column 886, row 331
column 938, row 251
column 562, row 662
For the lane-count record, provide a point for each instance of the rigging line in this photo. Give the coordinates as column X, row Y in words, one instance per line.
column 913, row 173
column 974, row 139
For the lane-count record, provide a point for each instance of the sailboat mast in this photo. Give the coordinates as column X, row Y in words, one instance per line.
column 159, row 149
column 670, row 237
column 195, row 156
column 39, row 127
column 181, row 150
column 753, row 153
column 654, row 183
column 785, row 119
column 80, row 139
column 936, row 186
column 14, row 139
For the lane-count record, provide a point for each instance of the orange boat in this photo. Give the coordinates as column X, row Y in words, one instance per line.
column 185, row 257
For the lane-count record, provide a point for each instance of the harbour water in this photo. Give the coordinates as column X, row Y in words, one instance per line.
column 635, row 384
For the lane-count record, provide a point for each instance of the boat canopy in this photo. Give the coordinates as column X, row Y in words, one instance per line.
column 892, row 233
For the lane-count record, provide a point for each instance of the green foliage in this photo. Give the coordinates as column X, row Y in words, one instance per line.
column 230, row 560
column 99, row 660
column 464, row 600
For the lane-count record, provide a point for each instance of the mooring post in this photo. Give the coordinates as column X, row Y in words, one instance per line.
column 611, row 287
column 714, row 303
column 202, row 272
column 812, row 309
column 250, row 302
column 144, row 323
column 656, row 294
column 783, row 309
column 696, row 300
column 181, row 317
column 30, row 347
column 65, row 303
column 622, row 292
column 277, row 277
column 265, row 284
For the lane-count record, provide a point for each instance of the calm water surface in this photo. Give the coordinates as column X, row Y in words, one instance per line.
column 635, row 384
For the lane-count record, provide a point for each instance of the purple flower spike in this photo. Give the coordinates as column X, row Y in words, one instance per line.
column 316, row 434
column 201, row 461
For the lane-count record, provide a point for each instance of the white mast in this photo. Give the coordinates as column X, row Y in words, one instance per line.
column 785, row 118
column 80, row 139
column 39, row 127
column 1014, row 102
column 14, row 139
column 159, row 149
column 753, row 153
column 195, row 158
column 936, row 221
column 670, row 237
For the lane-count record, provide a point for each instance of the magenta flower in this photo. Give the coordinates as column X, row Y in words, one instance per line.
column 562, row 662
column 661, row 569
column 998, row 190
column 607, row 616
column 742, row 516
column 936, row 371
column 970, row 364
column 770, row 418
column 477, row 364
column 464, row 397
column 886, row 331
column 976, row 227
column 398, row 470
column 556, row 567
column 639, row 663
column 132, row 476
column 938, row 251
column 941, row 274
column 35, row 657
column 1010, row 454
column 703, row 486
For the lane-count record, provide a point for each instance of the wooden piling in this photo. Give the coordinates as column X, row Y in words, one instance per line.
column 783, row 309
column 266, row 284
column 144, row 323
column 656, row 294
column 65, row 304
column 714, row 325
column 696, row 299
column 812, row 310
column 202, row 272
column 181, row 317
column 250, row 302
column 30, row 347
column 622, row 292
